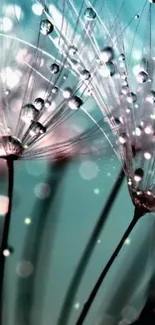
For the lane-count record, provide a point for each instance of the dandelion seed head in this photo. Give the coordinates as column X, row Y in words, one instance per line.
column 122, row 84
column 10, row 146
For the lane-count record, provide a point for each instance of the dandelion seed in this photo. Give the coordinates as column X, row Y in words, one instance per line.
column 40, row 94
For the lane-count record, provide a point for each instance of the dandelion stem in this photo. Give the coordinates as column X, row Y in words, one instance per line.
column 82, row 265
column 4, row 243
column 104, row 272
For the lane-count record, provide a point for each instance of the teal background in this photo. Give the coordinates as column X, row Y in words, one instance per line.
column 76, row 208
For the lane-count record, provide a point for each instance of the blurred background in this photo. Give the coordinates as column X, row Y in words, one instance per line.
column 55, row 208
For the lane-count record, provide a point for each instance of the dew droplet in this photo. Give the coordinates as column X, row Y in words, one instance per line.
column 125, row 90
column 142, row 77
column 89, row 14
column 151, row 97
column 122, row 57
column 75, row 102
column 72, row 50
column 37, row 128
column 85, row 74
column 46, row 27
column 138, row 174
column 131, row 98
column 39, row 104
column 54, row 68
column 122, row 138
column 48, row 103
column 107, row 54
column 107, row 70
column 138, row 131
column 54, row 90
column 67, row 92
column 28, row 113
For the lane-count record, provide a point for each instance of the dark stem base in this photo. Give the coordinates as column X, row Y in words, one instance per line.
column 103, row 274
column 4, row 243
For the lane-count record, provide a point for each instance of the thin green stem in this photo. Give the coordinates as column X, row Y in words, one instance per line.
column 84, row 260
column 104, row 272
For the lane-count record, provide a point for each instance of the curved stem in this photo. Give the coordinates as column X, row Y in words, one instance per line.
column 103, row 274
column 43, row 215
column 4, row 243
column 82, row 265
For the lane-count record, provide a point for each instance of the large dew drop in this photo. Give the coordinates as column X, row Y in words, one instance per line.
column 37, row 129
column 142, row 77
column 28, row 113
column 46, row 27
